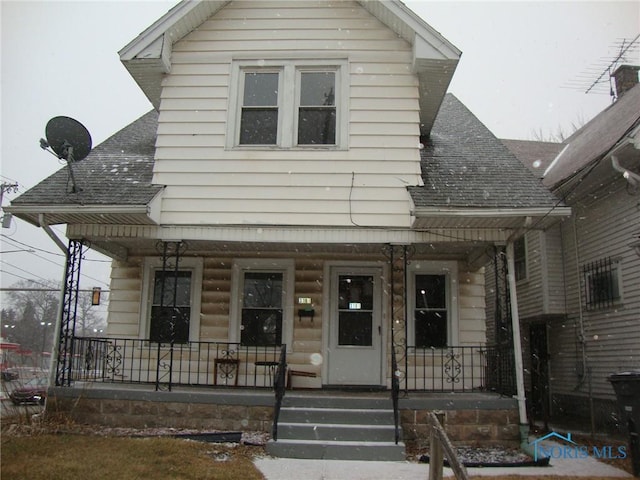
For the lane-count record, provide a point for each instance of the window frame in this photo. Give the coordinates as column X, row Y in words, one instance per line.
column 450, row 270
column 521, row 274
column 239, row 267
column 615, row 270
column 151, row 266
column 289, row 90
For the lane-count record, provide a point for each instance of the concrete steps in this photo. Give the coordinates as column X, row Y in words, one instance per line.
column 336, row 427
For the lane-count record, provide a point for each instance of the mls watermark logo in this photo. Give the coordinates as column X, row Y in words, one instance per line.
column 572, row 449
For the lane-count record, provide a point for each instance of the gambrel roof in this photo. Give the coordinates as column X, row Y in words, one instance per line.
column 148, row 56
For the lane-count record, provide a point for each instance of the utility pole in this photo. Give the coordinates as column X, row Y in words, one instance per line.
column 7, row 187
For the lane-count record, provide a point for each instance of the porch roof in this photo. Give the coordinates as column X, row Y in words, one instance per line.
column 471, row 177
column 114, row 184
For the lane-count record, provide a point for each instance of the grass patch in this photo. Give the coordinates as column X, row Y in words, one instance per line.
column 64, row 457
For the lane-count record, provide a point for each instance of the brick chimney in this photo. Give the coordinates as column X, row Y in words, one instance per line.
column 626, row 77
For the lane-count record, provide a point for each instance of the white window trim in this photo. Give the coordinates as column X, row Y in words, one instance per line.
column 287, row 268
column 450, row 270
column 288, row 101
column 153, row 264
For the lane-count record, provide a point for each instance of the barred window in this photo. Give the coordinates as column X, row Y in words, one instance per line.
column 601, row 282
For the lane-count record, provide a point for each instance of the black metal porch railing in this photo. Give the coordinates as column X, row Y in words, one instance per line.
column 280, row 386
column 125, row 360
column 395, row 394
column 461, row 369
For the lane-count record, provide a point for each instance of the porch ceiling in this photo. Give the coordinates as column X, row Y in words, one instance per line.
column 123, row 242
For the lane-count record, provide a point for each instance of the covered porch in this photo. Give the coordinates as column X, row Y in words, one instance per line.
column 336, row 308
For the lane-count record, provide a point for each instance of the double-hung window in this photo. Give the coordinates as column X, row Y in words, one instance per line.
column 262, row 306
column 287, row 104
column 433, row 313
column 171, row 310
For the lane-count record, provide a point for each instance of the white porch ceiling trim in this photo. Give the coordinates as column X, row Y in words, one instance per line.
column 292, row 235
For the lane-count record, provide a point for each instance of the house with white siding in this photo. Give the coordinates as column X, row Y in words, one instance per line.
column 579, row 281
column 305, row 203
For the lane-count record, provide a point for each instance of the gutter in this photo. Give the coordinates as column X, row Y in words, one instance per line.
column 491, row 212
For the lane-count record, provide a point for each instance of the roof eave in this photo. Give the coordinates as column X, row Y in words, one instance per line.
column 147, row 57
column 38, row 215
column 538, row 218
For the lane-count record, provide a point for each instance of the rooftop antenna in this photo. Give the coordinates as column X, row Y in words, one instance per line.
column 68, row 140
column 627, row 51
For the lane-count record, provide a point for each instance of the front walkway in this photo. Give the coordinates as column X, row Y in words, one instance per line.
column 294, row 469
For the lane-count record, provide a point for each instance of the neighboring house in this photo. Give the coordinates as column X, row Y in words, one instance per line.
column 578, row 286
column 303, row 181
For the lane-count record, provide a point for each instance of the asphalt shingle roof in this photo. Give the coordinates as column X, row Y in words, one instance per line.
column 597, row 137
column 465, row 166
column 116, row 172
column 535, row 155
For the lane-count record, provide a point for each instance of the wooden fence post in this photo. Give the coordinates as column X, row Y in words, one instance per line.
column 441, row 445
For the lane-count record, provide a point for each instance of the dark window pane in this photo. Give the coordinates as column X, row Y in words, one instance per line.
column 431, row 328
column 355, row 292
column 168, row 323
column 317, row 126
column 261, row 327
column 260, row 89
column 431, row 291
column 259, row 126
column 262, row 289
column 355, row 328
column 520, row 259
column 317, row 88
column 183, row 292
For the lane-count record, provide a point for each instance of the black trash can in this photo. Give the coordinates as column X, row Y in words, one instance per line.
column 627, row 388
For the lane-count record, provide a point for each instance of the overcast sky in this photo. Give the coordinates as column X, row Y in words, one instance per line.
column 60, row 58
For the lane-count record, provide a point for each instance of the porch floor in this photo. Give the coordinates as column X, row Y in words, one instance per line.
column 266, row 397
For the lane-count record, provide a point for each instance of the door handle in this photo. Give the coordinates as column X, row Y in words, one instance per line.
column 379, row 330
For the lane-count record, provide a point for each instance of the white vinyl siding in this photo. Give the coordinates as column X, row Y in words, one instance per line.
column 601, row 229
column 363, row 182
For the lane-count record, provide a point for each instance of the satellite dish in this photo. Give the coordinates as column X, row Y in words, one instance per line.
column 68, row 138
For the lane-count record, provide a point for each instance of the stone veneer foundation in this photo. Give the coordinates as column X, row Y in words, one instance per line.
column 467, row 418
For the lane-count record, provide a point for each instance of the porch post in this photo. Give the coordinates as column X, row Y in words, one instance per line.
column 517, row 345
column 66, row 322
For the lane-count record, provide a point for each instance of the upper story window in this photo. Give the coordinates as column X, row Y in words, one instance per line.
column 602, row 283
column 287, row 104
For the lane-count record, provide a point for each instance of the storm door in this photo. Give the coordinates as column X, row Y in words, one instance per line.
column 355, row 327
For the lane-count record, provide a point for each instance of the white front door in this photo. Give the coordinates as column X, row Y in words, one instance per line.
column 355, row 326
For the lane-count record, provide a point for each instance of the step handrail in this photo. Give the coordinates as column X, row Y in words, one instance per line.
column 438, row 443
column 279, row 385
column 395, row 394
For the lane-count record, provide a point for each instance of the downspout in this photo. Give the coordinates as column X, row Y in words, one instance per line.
column 586, row 369
column 56, row 331
column 517, row 352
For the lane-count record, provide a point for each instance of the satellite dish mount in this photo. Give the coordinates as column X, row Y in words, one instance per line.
column 68, row 140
